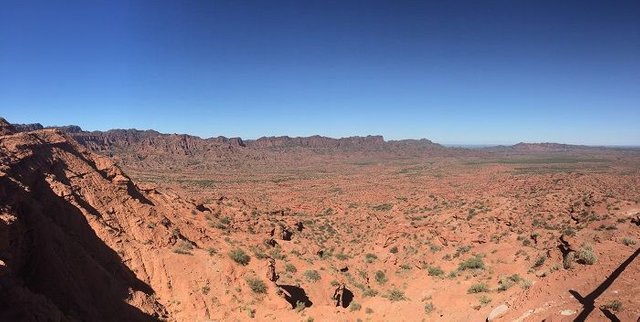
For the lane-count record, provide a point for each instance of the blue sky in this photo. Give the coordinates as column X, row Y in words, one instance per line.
column 469, row 72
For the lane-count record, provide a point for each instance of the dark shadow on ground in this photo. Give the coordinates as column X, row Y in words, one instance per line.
column 588, row 302
column 347, row 297
column 297, row 294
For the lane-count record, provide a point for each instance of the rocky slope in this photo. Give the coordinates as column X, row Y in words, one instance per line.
column 76, row 235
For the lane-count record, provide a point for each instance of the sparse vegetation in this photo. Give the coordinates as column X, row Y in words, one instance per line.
column 239, row 256
column 586, row 256
column 290, row 268
column 478, row 288
column 256, row 285
column 628, row 241
column 472, row 263
column 381, row 277
column 484, row 300
column 370, row 258
column 435, row 271
column 506, row 282
column 428, row 307
column 395, row 295
column 613, row 305
column 312, row 275
column 383, row 207
column 183, row 247
column 369, row 292
column 539, row 261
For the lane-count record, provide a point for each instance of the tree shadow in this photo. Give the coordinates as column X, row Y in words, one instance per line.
column 588, row 301
column 296, row 294
column 59, row 259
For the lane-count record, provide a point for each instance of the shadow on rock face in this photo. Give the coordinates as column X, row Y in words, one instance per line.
column 347, row 297
column 297, row 295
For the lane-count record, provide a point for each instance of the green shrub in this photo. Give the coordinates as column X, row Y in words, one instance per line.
column 472, row 263
column 613, row 305
column 368, row 310
column 383, row 207
column 540, row 261
column 395, row 295
column 369, row 293
column 354, row 306
column 628, row 241
column 288, row 267
column 370, row 258
column 428, row 307
column 256, row 285
column 183, row 247
column 525, row 284
column 484, row 300
column 312, row 275
column 586, row 256
column 239, row 256
column 380, row 277
column 567, row 260
column 393, row 250
column 478, row 288
column 507, row 282
column 435, row 271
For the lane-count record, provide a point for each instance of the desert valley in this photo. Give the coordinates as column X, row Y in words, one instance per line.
column 129, row 225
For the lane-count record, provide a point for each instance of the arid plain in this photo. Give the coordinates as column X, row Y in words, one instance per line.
column 414, row 230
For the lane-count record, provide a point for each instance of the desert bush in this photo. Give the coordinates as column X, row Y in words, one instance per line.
column 586, row 256
column 239, row 256
column 380, row 277
column 478, row 288
column 525, row 284
column 393, row 250
column 183, row 247
column 539, row 261
column 354, row 306
column 369, row 293
column 507, row 282
column 435, row 271
column 395, row 295
column 256, row 285
column 484, row 300
column 370, row 258
column 567, row 260
column 368, row 310
column 628, row 241
column 312, row 275
column 569, row 232
column 383, row 207
column 288, row 267
column 613, row 305
column 428, row 307
column 472, row 263
column 435, row 248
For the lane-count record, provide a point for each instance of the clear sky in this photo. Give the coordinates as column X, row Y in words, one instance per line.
column 452, row 71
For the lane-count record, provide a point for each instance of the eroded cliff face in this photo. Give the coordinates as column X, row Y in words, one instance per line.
column 76, row 234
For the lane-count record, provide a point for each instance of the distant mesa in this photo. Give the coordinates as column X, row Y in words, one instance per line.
column 6, row 128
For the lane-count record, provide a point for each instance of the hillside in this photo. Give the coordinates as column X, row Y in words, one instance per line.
column 412, row 237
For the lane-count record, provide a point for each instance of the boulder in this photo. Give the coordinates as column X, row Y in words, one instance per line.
column 497, row 312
